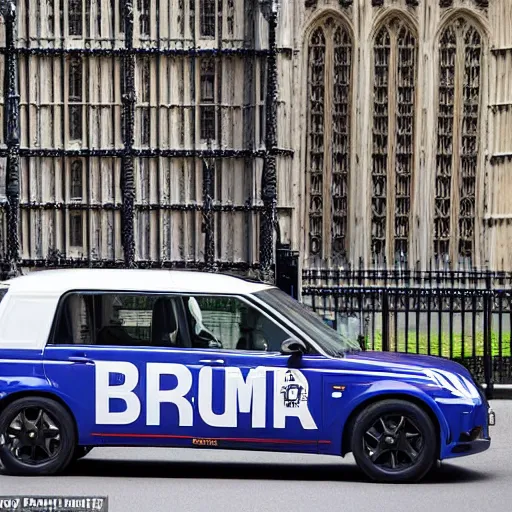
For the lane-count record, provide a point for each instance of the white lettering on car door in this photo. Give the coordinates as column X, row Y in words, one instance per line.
column 156, row 396
column 239, row 395
column 250, row 394
column 105, row 392
column 291, row 392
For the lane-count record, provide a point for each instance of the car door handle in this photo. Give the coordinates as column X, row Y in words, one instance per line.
column 212, row 362
column 80, row 359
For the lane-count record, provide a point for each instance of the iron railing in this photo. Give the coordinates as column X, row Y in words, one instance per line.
column 462, row 315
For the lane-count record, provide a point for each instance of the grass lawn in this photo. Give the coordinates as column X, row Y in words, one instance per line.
column 441, row 345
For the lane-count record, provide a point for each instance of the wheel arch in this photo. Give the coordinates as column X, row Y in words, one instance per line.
column 346, row 437
column 12, row 397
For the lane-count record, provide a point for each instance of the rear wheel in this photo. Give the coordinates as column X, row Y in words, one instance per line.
column 394, row 441
column 37, row 437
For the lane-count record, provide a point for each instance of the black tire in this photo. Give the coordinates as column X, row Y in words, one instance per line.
column 81, row 452
column 389, row 449
column 19, row 427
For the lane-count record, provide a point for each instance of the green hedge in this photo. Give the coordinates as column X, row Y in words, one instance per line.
column 420, row 344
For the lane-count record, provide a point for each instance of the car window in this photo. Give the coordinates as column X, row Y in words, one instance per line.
column 309, row 322
column 119, row 319
column 3, row 291
column 232, row 324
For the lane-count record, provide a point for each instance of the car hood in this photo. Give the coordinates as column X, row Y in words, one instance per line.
column 401, row 361
column 443, row 373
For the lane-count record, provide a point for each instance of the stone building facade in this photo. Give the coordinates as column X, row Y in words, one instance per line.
column 399, row 126
column 172, row 132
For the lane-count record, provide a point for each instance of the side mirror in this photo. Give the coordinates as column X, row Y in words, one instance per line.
column 293, row 346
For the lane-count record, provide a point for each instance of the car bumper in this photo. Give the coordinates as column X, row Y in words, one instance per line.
column 474, row 441
column 478, row 446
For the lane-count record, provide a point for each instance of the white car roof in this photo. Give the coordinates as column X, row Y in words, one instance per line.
column 130, row 280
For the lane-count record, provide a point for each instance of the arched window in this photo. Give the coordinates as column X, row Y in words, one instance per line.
column 207, row 95
column 76, row 181
column 75, row 80
column 328, row 157
column 207, row 18
column 144, row 97
column 76, row 229
column 75, row 88
column 394, row 92
column 143, row 8
column 460, row 54
column 75, row 18
column 121, row 18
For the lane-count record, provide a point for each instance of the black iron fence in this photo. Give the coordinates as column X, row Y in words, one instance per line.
column 465, row 316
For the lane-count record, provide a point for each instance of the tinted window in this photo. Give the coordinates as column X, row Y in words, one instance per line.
column 165, row 321
column 118, row 319
column 230, row 323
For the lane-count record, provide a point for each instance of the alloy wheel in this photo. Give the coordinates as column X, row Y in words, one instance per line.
column 393, row 443
column 33, row 436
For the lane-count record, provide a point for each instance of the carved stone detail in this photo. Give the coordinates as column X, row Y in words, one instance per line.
column 460, row 54
column 395, row 68
column 329, row 83
column 382, row 51
column 340, row 141
column 479, row 3
column 316, row 139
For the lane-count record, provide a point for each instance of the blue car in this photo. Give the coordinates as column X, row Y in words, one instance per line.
column 209, row 361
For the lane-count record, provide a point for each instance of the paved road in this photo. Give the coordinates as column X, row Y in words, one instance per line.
column 202, row 480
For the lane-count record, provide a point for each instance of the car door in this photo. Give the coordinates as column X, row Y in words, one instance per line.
column 250, row 396
column 124, row 381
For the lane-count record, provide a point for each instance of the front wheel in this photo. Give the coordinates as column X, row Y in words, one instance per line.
column 37, row 437
column 394, row 441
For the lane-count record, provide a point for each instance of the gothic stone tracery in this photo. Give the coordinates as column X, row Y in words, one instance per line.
column 460, row 53
column 394, row 85
column 329, row 89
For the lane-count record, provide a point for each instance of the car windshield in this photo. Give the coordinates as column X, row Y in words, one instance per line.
column 307, row 321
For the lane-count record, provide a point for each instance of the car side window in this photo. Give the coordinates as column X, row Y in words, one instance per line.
column 232, row 324
column 119, row 320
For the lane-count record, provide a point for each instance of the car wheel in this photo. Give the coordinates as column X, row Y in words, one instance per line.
column 394, row 441
column 81, row 452
column 37, row 437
